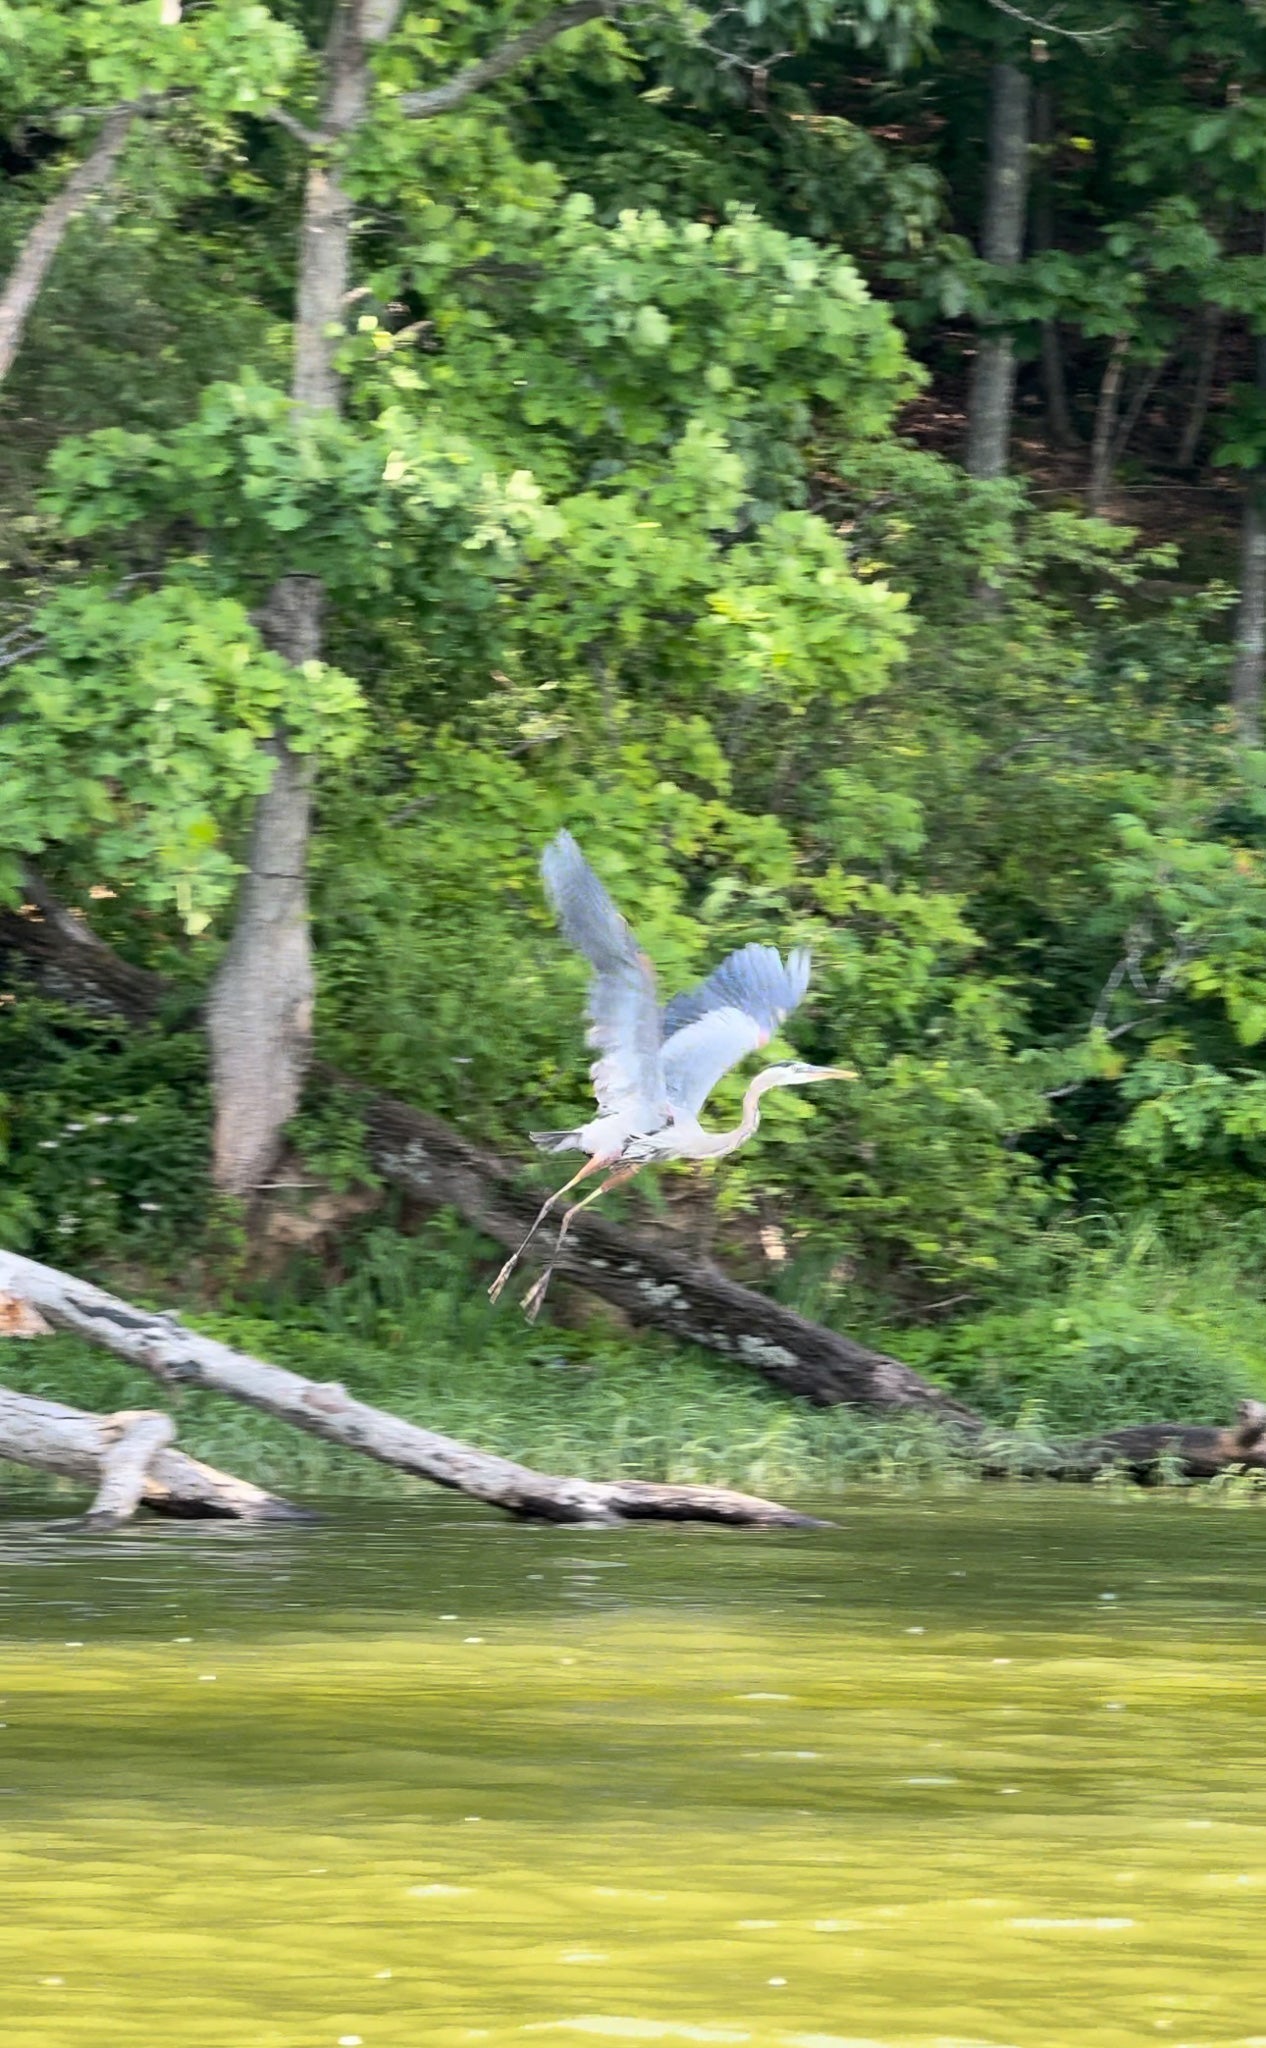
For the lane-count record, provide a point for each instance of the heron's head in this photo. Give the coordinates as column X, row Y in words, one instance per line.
column 798, row 1073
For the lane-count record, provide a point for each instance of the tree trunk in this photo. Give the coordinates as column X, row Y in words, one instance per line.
column 1058, row 413
column 1206, row 363
column 1250, row 620
column 259, row 1012
column 128, row 1462
column 1100, row 482
column 259, row 1018
column 25, row 280
column 178, row 1356
column 1002, row 243
column 438, row 1166
column 1149, row 378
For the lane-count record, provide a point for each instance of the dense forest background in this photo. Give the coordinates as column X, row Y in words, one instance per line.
column 818, row 453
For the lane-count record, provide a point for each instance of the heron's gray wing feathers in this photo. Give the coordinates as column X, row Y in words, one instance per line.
column 624, row 1029
column 696, row 1056
column 755, row 980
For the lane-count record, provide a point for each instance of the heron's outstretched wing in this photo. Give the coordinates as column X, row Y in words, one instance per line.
column 696, row 1056
column 754, row 979
column 628, row 1077
column 738, row 1008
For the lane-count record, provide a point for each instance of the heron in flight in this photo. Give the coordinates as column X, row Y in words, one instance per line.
column 657, row 1067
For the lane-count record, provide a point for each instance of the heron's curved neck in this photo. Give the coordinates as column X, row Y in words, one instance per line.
column 729, row 1141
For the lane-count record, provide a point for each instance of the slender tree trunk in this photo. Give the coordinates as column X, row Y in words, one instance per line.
column 1148, row 380
column 1206, row 363
column 1250, row 623
column 260, row 1014
column 1058, row 413
column 1105, row 426
column 1002, row 243
column 23, row 285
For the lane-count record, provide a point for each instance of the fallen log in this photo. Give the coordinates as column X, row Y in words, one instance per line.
column 131, row 1459
column 179, row 1356
column 438, row 1166
column 651, row 1283
column 1148, row 1451
column 143, row 1433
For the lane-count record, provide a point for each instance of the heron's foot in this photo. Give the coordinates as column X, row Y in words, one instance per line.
column 498, row 1285
column 535, row 1296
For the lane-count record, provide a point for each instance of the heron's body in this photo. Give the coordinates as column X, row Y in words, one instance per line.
column 656, row 1067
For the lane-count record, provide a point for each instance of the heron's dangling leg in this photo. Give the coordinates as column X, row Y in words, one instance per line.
column 536, row 1293
column 590, row 1166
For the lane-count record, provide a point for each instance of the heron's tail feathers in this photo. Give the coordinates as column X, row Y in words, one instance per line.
column 557, row 1141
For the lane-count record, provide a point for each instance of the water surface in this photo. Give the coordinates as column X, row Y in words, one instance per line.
column 964, row 1772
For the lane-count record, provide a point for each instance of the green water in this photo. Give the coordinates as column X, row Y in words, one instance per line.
column 974, row 1770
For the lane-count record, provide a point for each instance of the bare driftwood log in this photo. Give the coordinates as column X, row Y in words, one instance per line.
column 438, row 1166
column 130, row 1457
column 179, row 1356
column 143, row 1433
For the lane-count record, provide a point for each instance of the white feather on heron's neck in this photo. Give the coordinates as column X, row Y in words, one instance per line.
column 715, row 1144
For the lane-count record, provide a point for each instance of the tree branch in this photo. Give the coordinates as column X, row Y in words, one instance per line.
column 422, row 106
column 1055, row 28
column 91, row 177
column 311, row 138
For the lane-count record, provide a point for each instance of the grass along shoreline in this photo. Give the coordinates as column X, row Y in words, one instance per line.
column 1129, row 1335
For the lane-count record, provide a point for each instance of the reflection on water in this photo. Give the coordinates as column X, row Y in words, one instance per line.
column 982, row 1772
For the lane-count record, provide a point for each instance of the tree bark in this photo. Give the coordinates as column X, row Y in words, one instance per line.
column 1100, row 482
column 179, row 1356
column 25, row 281
column 1002, row 243
column 53, row 1438
column 439, row 1167
column 1206, row 363
column 259, row 1011
column 1058, row 413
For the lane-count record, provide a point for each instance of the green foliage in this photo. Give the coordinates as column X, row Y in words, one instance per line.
column 1127, row 1328
column 104, row 1135
column 133, row 736
column 389, row 505
column 636, row 520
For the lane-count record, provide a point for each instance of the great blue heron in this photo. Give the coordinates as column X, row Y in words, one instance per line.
column 656, row 1068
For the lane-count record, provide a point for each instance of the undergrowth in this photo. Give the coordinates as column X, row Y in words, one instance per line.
column 1129, row 1334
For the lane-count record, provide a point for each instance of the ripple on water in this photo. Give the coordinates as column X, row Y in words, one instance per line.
column 589, row 1817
